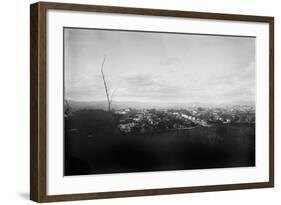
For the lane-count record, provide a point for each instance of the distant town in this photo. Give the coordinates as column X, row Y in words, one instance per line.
column 153, row 120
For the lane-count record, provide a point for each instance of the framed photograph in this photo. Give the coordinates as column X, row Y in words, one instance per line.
column 135, row 102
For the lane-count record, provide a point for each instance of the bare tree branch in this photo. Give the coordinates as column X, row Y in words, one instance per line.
column 67, row 108
column 112, row 94
column 105, row 85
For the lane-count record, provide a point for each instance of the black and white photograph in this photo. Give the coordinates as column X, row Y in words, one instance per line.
column 142, row 101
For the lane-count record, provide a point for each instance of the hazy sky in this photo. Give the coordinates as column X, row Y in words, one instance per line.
column 159, row 67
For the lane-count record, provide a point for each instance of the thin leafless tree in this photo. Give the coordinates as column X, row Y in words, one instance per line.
column 67, row 108
column 109, row 96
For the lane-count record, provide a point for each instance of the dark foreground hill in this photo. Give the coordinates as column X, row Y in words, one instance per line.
column 94, row 146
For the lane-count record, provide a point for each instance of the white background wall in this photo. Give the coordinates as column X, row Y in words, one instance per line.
column 14, row 101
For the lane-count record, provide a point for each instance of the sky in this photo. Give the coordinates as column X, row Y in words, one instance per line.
column 158, row 67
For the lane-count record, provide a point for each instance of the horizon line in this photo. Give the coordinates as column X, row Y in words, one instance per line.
column 129, row 101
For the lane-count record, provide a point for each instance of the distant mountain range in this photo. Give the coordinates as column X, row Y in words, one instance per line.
column 146, row 105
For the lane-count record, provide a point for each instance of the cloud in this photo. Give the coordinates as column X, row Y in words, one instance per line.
column 147, row 86
column 148, row 66
column 170, row 61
